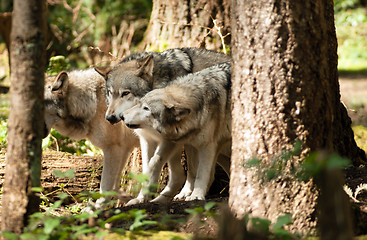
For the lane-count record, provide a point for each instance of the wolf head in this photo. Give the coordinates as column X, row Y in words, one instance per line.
column 55, row 99
column 126, row 83
column 158, row 111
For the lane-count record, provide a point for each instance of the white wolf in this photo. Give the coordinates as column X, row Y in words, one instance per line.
column 193, row 110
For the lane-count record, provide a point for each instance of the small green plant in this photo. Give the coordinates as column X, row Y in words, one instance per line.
column 199, row 213
column 318, row 161
column 142, row 180
column 264, row 229
column 314, row 163
column 276, row 167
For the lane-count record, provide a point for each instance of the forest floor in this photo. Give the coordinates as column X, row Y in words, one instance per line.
column 88, row 174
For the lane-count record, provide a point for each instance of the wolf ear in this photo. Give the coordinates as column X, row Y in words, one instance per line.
column 61, row 82
column 146, row 66
column 103, row 71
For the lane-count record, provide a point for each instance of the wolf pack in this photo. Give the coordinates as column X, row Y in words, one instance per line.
column 164, row 103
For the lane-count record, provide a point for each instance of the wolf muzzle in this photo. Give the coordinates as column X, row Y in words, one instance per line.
column 113, row 119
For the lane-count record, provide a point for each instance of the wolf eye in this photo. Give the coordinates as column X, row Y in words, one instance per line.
column 125, row 93
column 145, row 108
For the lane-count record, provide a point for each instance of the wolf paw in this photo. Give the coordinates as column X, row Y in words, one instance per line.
column 195, row 197
column 161, row 199
column 183, row 194
column 135, row 201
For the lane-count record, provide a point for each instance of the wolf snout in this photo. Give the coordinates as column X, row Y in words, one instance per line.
column 112, row 119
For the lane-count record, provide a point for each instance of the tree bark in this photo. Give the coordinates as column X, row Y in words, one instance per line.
column 187, row 23
column 25, row 124
column 285, row 88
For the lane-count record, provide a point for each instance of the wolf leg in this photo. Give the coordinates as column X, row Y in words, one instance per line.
column 205, row 172
column 176, row 176
column 148, row 146
column 192, row 164
column 115, row 159
column 165, row 152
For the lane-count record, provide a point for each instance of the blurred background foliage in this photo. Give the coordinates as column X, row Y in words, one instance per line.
column 351, row 27
column 94, row 32
column 85, row 33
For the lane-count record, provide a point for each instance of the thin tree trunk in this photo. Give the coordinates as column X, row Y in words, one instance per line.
column 187, row 23
column 285, row 88
column 25, row 124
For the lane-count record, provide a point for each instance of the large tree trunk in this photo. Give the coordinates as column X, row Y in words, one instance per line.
column 25, row 125
column 285, row 88
column 187, row 23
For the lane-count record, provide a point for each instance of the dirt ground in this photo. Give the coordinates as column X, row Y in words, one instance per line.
column 88, row 170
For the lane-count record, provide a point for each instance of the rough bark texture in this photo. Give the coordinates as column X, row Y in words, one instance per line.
column 25, row 127
column 285, row 88
column 177, row 23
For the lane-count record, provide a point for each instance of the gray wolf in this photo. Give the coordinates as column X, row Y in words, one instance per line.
column 192, row 110
column 138, row 74
column 75, row 105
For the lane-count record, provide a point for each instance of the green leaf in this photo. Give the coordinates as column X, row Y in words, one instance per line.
column 30, row 236
column 252, row 163
column 50, row 224
column 195, row 211
column 62, row 195
column 282, row 221
column 283, row 234
column 336, row 162
column 261, row 225
column 100, row 234
column 109, row 193
column 120, row 216
column 9, row 235
column 209, row 205
column 142, row 178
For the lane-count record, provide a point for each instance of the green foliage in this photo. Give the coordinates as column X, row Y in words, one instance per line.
column 316, row 162
column 313, row 165
column 78, row 25
column 58, row 142
column 276, row 167
column 142, row 180
column 267, row 230
column 350, row 22
column 140, row 220
column 199, row 213
column 343, row 5
column 56, row 65
column 3, row 133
